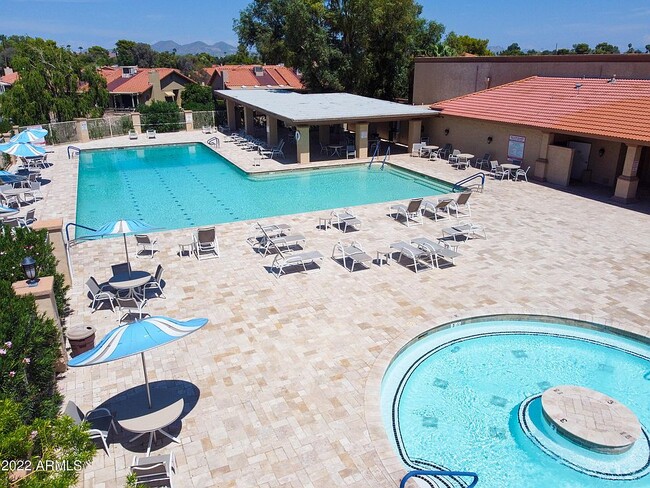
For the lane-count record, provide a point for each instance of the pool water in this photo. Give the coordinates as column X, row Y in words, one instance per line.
column 188, row 185
column 451, row 400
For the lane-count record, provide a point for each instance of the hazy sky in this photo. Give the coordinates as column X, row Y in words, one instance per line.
column 539, row 25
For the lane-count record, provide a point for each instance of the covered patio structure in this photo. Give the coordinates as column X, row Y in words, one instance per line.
column 368, row 118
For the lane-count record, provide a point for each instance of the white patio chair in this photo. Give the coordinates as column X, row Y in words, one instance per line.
column 412, row 212
column 99, row 294
column 352, row 252
column 145, row 246
column 521, row 172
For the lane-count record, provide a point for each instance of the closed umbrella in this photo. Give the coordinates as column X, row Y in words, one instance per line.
column 29, row 135
column 22, row 149
column 123, row 227
column 137, row 338
column 7, row 177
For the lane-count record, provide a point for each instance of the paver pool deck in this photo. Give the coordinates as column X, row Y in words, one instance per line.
column 288, row 370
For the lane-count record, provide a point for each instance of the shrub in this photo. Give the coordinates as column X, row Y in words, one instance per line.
column 161, row 116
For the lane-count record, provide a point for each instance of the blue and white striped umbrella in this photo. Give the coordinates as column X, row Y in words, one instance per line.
column 137, row 338
column 22, row 149
column 7, row 210
column 7, row 177
column 123, row 227
column 29, row 135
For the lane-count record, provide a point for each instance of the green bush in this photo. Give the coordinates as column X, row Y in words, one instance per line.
column 197, row 98
column 161, row 116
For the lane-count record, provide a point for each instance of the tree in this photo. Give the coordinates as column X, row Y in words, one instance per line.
column 160, row 116
column 197, row 97
column 145, row 56
column 124, row 53
column 98, row 56
column 468, row 45
column 512, row 50
column 581, row 48
column 53, row 85
column 605, row 48
column 562, row 51
column 647, row 48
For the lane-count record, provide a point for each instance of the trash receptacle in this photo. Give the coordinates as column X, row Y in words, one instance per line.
column 81, row 338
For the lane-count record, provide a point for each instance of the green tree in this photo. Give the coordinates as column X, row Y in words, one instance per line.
column 166, row 60
column 647, row 48
column 98, row 56
column 160, row 116
column 197, row 97
column 53, row 85
column 125, row 53
column 562, row 51
column 468, row 45
column 605, row 48
column 512, row 50
column 581, row 48
column 145, row 56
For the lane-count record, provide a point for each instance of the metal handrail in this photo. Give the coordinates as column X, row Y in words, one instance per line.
column 67, row 230
column 69, row 243
column 422, row 472
column 71, row 149
column 374, row 154
column 459, row 185
column 383, row 163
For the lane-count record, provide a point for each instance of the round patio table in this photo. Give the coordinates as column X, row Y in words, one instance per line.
column 130, row 282
column 510, row 167
column 153, row 422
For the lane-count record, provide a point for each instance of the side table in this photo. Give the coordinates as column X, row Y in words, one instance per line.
column 384, row 254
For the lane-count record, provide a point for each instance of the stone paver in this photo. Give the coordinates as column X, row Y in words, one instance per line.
column 288, row 371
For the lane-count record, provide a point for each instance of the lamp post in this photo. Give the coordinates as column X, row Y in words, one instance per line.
column 29, row 268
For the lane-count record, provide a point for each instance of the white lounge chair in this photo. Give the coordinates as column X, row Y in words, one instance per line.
column 146, row 246
column 461, row 202
column 412, row 212
column 439, row 209
column 437, row 250
column 415, row 254
column 464, row 231
column 352, row 252
column 269, row 242
column 276, row 150
column 206, row 129
column 345, row 218
column 151, row 133
column 206, row 244
column 133, row 134
column 99, row 419
column 282, row 261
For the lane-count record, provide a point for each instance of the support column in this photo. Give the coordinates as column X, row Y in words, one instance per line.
column 271, row 130
column 627, row 183
column 189, row 120
column 54, row 229
column 82, row 129
column 415, row 131
column 302, row 145
column 231, row 115
column 249, row 124
column 541, row 163
column 361, row 139
column 324, row 134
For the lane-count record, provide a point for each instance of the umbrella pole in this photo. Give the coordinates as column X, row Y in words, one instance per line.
column 126, row 250
column 146, row 379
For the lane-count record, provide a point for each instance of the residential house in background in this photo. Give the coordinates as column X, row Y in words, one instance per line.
column 130, row 86
column 8, row 79
column 243, row 77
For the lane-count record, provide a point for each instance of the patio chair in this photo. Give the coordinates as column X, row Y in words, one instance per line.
column 99, row 419
column 145, row 245
column 485, row 160
column 151, row 133
column 417, row 149
column 521, row 172
column 323, row 149
column 34, row 191
column 154, row 470
column 439, row 209
column 497, row 171
column 155, row 283
column 275, row 150
column 121, row 269
column 415, row 254
column 206, row 129
column 133, row 134
column 453, row 157
column 27, row 219
column 130, row 307
column 268, row 243
column 445, row 151
column 344, row 219
column 282, row 261
column 99, row 294
column 352, row 252
column 463, row 232
column 272, row 230
column 412, row 212
column 437, row 250
column 206, row 244
column 461, row 202
column 350, row 151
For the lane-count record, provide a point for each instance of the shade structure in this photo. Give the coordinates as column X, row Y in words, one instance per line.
column 22, row 149
column 124, row 227
column 29, row 135
column 7, row 177
column 137, row 338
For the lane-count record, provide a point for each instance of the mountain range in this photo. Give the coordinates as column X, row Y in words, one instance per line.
column 217, row 49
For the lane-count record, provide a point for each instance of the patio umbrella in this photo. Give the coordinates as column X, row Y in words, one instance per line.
column 137, row 338
column 123, row 227
column 29, row 135
column 7, row 177
column 22, row 149
column 7, row 210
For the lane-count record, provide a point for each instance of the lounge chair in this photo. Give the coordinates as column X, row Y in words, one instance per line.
column 461, row 202
column 206, row 129
column 154, row 470
column 345, row 218
column 415, row 254
column 206, row 244
column 271, row 230
column 133, row 134
column 151, row 133
column 282, row 261
column 439, row 209
column 99, row 419
column 412, row 212
column 269, row 242
column 352, row 252
column 99, row 294
column 275, row 150
column 464, row 231
column 145, row 245
column 155, row 283
column 437, row 250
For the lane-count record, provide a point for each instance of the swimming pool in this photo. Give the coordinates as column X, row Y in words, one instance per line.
column 458, row 399
column 186, row 185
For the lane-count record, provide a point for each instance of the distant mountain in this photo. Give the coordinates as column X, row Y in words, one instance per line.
column 217, row 49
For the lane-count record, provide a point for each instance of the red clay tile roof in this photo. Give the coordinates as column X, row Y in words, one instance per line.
column 276, row 76
column 594, row 106
column 9, row 79
column 138, row 83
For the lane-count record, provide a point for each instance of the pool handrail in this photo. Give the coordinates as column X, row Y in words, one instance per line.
column 383, row 163
column 375, row 153
column 458, row 186
column 424, row 472
column 68, row 242
column 73, row 151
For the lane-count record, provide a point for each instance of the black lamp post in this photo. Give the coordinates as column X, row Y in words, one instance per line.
column 29, row 268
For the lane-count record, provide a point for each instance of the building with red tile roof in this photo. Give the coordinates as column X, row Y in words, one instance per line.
column 8, row 79
column 130, row 86
column 238, row 77
column 568, row 129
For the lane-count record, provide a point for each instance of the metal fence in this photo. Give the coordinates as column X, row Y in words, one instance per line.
column 202, row 119
column 109, row 126
column 60, row 132
column 163, row 122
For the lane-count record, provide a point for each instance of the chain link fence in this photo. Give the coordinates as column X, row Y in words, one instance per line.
column 109, row 126
column 163, row 122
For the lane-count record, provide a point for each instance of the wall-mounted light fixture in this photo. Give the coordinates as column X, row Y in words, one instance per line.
column 601, row 152
column 446, row 132
column 489, row 140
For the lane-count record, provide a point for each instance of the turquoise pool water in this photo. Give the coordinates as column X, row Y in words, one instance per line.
column 188, row 185
column 454, row 400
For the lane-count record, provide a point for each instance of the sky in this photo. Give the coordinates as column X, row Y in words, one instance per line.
column 533, row 25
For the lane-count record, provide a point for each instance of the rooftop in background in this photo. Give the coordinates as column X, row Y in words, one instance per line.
column 611, row 108
column 307, row 108
column 9, row 78
column 235, row 77
column 131, row 79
